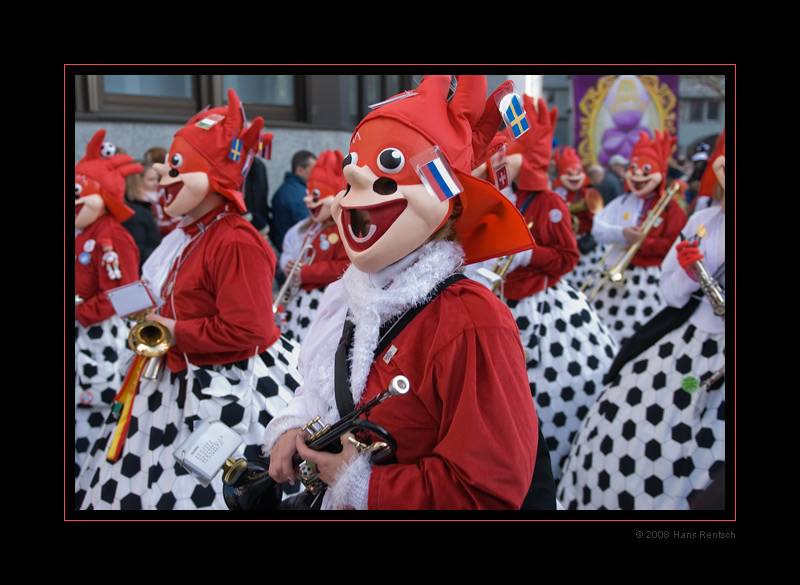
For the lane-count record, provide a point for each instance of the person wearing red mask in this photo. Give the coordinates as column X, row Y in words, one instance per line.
column 106, row 257
column 466, row 430
column 314, row 242
column 227, row 361
column 573, row 185
column 626, row 306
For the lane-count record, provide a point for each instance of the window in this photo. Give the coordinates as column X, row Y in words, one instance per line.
column 696, row 110
column 170, row 86
column 701, row 110
column 323, row 101
column 137, row 97
column 713, row 112
column 275, row 90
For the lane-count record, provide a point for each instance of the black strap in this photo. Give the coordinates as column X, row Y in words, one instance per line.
column 344, row 398
column 666, row 321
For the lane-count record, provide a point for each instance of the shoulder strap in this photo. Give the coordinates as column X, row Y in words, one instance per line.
column 390, row 329
column 665, row 321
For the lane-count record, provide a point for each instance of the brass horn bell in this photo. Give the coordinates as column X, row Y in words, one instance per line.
column 149, row 338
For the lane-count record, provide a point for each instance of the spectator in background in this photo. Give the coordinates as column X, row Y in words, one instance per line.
column 155, row 154
column 608, row 186
column 256, row 192
column 288, row 206
column 141, row 192
column 618, row 164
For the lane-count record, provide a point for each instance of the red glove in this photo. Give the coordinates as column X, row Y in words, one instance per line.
column 688, row 254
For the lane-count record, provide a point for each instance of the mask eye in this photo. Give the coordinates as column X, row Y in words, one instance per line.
column 350, row 159
column 391, row 161
column 315, row 195
column 632, row 168
column 646, row 169
column 78, row 190
column 175, row 161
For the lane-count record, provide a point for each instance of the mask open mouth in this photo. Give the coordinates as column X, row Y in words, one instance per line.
column 366, row 225
column 171, row 191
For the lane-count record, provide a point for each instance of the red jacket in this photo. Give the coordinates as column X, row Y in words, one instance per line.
column 659, row 240
column 330, row 261
column 467, row 429
column 556, row 253
column 222, row 294
column 92, row 278
column 584, row 217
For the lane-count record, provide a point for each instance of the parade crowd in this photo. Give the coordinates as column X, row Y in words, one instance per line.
column 556, row 329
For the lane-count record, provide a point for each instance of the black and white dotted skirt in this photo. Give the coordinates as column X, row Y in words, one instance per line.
column 568, row 350
column 655, row 436
column 299, row 314
column 624, row 309
column 101, row 355
column 245, row 396
column 586, row 264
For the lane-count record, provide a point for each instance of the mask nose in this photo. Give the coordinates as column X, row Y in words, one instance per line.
column 362, row 178
column 359, row 177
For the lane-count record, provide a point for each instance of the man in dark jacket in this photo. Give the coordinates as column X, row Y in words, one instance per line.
column 288, row 206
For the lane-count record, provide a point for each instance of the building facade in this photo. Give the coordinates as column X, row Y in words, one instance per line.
column 143, row 107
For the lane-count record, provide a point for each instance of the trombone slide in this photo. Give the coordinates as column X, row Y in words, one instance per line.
column 289, row 290
column 616, row 273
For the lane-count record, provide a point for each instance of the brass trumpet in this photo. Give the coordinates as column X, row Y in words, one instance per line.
column 289, row 289
column 615, row 274
column 592, row 202
column 247, row 485
column 150, row 339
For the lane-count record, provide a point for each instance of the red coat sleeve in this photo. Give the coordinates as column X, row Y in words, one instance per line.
column 467, row 433
column 328, row 266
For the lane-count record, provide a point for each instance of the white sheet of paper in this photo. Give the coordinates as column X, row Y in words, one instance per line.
column 131, row 298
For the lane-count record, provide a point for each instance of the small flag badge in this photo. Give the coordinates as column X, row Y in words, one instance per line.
column 236, row 150
column 514, row 116
column 512, row 109
column 210, row 121
column 436, row 174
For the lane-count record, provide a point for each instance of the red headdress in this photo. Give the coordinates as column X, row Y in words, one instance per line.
column 536, row 146
column 327, row 177
column 567, row 160
column 489, row 225
column 108, row 170
column 221, row 144
column 654, row 152
column 709, row 178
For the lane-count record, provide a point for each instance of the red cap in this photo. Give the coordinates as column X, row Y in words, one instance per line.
column 327, row 176
column 567, row 159
column 109, row 170
column 223, row 138
column 655, row 152
column 536, row 145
